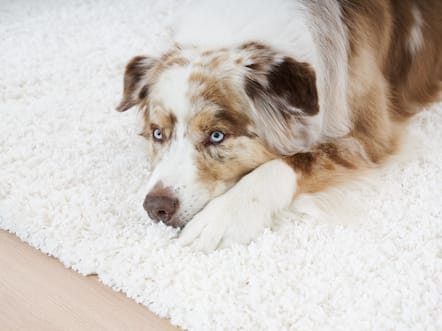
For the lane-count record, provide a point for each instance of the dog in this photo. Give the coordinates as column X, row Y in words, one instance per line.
column 256, row 102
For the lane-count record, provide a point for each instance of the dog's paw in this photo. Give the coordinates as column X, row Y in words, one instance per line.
column 243, row 212
column 226, row 220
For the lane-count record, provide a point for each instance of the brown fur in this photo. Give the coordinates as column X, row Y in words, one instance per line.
column 285, row 97
column 135, row 71
column 387, row 85
column 230, row 162
column 159, row 118
column 289, row 80
column 235, row 157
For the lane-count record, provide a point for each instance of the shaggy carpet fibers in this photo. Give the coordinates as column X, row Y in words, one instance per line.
column 73, row 175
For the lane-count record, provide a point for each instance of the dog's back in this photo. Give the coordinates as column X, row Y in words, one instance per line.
column 414, row 66
column 405, row 36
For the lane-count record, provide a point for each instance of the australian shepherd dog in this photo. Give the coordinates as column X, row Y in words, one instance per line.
column 256, row 102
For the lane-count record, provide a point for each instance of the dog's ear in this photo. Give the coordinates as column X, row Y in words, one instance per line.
column 136, row 82
column 285, row 98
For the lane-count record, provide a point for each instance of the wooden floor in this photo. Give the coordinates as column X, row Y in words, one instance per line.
column 38, row 293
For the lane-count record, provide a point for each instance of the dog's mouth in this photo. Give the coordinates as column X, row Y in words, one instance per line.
column 164, row 205
column 162, row 217
column 177, row 221
column 174, row 222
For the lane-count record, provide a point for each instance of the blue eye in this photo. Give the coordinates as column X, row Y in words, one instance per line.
column 157, row 135
column 216, row 137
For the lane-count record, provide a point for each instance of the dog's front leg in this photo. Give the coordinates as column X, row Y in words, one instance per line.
column 243, row 212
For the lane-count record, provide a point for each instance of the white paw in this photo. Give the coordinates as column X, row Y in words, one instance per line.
column 242, row 213
column 225, row 220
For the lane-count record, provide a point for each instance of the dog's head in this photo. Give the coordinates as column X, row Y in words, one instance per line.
column 210, row 117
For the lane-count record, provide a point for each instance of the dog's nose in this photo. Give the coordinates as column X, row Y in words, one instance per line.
column 160, row 208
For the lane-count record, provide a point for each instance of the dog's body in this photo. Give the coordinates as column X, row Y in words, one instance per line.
column 260, row 101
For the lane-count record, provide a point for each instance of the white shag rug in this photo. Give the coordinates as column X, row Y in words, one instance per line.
column 72, row 176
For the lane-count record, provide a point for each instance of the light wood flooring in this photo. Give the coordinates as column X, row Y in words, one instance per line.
column 38, row 293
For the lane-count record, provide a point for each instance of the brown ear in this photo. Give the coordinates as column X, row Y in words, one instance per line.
column 290, row 83
column 285, row 98
column 136, row 82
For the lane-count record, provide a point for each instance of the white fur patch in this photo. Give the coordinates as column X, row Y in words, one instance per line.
column 177, row 167
column 243, row 212
column 331, row 39
column 171, row 91
column 216, row 24
column 416, row 39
